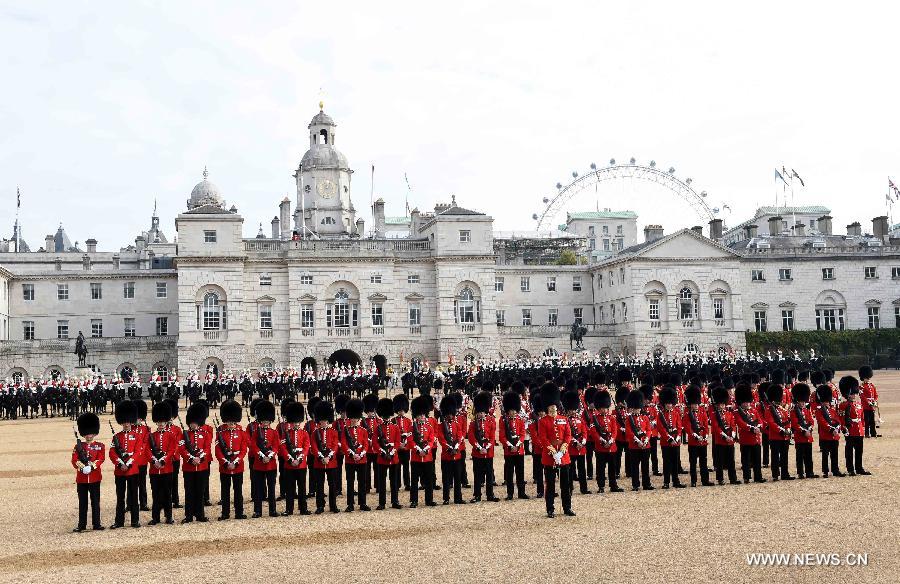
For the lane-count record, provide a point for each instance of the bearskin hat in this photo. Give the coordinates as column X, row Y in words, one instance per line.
column 265, row 411
column 829, row 374
column 848, row 385
column 253, row 404
column 668, row 396
column 728, row 382
column 384, row 408
column 692, row 394
column 675, row 379
column 126, row 412
column 635, row 399
column 354, row 409
column 602, row 399
column 803, row 375
column 401, row 403
column 537, row 403
column 800, row 392
column 173, row 406
column 589, row 394
column 438, row 383
column 647, row 391
column 775, row 392
column 823, row 394
column 622, row 395
column 865, row 372
column 570, row 385
column 571, row 400
column 340, row 402
column 481, row 402
column 549, row 394
column 370, row 402
column 141, row 406
column 647, row 379
column 518, row 387
column 763, row 391
column 196, row 414
column 512, row 401
column 284, row 404
column 623, row 375
column 88, row 423
column 458, row 396
column 816, row 378
column 743, row 393
column 230, row 411
column 161, row 412
column 424, row 389
column 205, row 405
column 447, row 406
column 292, row 412
column 720, row 395
column 777, row 376
column 324, row 411
column 311, row 405
column 421, row 406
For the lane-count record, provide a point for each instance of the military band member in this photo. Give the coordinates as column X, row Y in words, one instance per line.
column 87, row 458
column 481, row 434
column 401, row 408
column 512, row 432
column 451, row 437
column 696, row 423
column 325, row 445
column 854, row 426
column 829, row 423
column 668, row 426
column 355, row 445
column 295, row 446
column 195, row 453
column 779, row 422
column 387, row 439
column 802, row 423
column 142, row 430
column 162, row 449
column 232, row 445
column 602, row 429
column 421, row 451
column 637, row 433
column 571, row 401
column 462, row 419
column 749, row 429
column 264, row 444
column 723, row 433
column 869, row 399
column 555, row 437
column 124, row 453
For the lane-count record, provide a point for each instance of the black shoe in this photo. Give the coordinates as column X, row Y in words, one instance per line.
column 78, row 529
column 379, row 508
column 365, row 508
column 720, row 483
column 475, row 500
column 145, row 508
column 584, row 492
column 153, row 522
column 319, row 511
column 467, row 486
column 508, row 498
column 788, row 478
column 650, row 488
column 616, row 490
column 863, row 472
column 635, row 488
column 209, row 504
column 99, row 528
column 334, row 510
column 734, row 482
column 186, row 520
column 759, row 480
column 177, row 506
column 396, row 506
column 550, row 514
column 460, row 502
column 223, row 518
column 812, row 476
column 413, row 505
column 287, row 513
column 851, row 473
column 569, row 513
column 656, row 473
column 202, row 520
column 693, row 484
column 679, row 485
column 446, row 502
column 305, row 512
column 839, row 474
column 540, row 495
column 431, row 504
column 169, row 521
column 136, row 525
column 493, row 499
column 256, row 515
column 708, row 484
column 240, row 516
column 349, row 509
column 279, row 498
column 666, row 486
column 275, row 514
column 524, row 496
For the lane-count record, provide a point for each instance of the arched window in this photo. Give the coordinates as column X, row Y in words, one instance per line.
column 342, row 313
column 468, row 307
column 163, row 373
column 327, row 221
column 323, row 136
column 18, row 377
column 690, row 349
column 213, row 313
column 687, row 304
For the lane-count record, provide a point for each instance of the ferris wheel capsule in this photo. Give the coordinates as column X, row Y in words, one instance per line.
column 612, row 161
column 633, row 160
column 546, row 200
column 574, row 174
column 558, row 186
column 593, row 166
column 652, row 164
column 534, row 216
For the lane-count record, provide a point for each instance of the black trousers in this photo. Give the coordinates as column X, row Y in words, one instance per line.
column 537, row 473
column 339, row 458
column 176, row 470
column 803, row 456
column 195, row 485
column 640, row 467
column 294, row 489
column 481, row 468
column 161, row 490
column 577, row 472
column 671, row 456
column 765, row 449
column 252, row 483
column 265, row 489
column 227, row 482
column 724, row 454
column 382, row 474
column 779, row 459
column 465, row 470
column 451, row 476
column 606, row 464
column 88, row 491
column 589, row 459
column 853, row 453
column 514, row 466
column 869, row 418
column 282, row 479
column 371, row 463
column 404, row 466
column 654, row 459
column 319, row 476
column 829, row 450
column 565, row 487
column 142, row 486
column 356, row 474
column 622, row 450
column 126, row 489
column 421, row 471
column 751, row 463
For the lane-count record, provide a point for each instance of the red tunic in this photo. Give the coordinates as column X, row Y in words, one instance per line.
column 829, row 422
column 512, row 441
column 639, row 440
column 405, row 425
column 324, row 445
column 578, row 444
column 167, row 447
column 852, row 418
column 554, row 431
column 621, row 415
column 264, row 441
column 387, row 438
column 370, row 425
column 778, row 420
column 236, row 444
column 355, row 453
column 722, row 432
column 869, row 396
column 142, row 430
column 602, row 430
column 748, row 426
column 801, row 420
column 651, row 410
column 202, row 444
column 96, row 452
column 670, row 419
column 485, row 427
column 129, row 444
column 451, row 440
column 421, row 441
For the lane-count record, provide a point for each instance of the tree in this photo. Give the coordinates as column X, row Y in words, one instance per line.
column 567, row 258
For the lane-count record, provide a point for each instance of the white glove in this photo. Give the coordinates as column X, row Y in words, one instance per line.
column 86, row 469
column 557, row 457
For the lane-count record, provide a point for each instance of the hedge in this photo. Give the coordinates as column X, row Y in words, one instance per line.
column 863, row 342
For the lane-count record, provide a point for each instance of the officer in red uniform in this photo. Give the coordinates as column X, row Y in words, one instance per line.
column 370, row 424
column 124, row 453
column 355, row 446
column 749, row 429
column 387, row 439
column 162, row 451
column 87, row 458
column 295, row 448
column 232, row 445
column 195, row 453
column 571, row 401
column 512, row 432
column 264, row 446
column 602, row 429
column 869, row 400
column 637, row 435
column 829, row 423
column 723, row 433
column 555, row 437
column 421, row 451
column 668, row 426
column 325, row 446
column 451, row 439
column 142, row 430
column 696, row 424
column 778, row 419
column 481, row 434
column 537, row 449
column 401, row 408
column 854, row 426
column 802, row 423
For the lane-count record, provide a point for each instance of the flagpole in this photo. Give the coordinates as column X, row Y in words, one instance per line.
column 372, row 198
column 18, row 205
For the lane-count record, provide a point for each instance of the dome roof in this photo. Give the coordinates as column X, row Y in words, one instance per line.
column 324, row 156
column 321, row 119
column 204, row 193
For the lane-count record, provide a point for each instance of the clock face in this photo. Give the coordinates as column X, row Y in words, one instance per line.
column 325, row 188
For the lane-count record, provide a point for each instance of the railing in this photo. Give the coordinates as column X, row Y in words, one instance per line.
column 378, row 330
column 213, row 335
column 308, row 332
column 415, row 329
column 720, row 322
column 809, row 250
column 548, row 331
column 467, row 328
column 92, row 344
column 342, row 246
column 688, row 323
column 655, row 324
column 265, row 333
column 343, row 332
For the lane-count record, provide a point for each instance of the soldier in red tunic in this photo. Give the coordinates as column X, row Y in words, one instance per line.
column 370, row 424
column 142, row 430
column 749, row 429
column 637, row 435
column 87, row 458
column 124, row 453
column 512, row 432
column 401, row 408
column 355, row 446
column 195, row 452
column 421, row 451
column 176, row 433
column 264, row 446
column 723, row 433
column 232, row 445
column 340, row 422
column 696, row 424
column 829, row 423
column 555, row 437
column 162, row 452
column 481, row 433
column 621, row 415
column 295, row 448
column 869, row 400
column 602, row 429
column 778, row 419
column 854, row 426
column 669, row 427
column 803, row 425
column 571, row 401
column 451, row 437
column 387, row 439
column 325, row 445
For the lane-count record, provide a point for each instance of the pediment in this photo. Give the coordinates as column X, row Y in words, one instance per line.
column 378, row 297
column 688, row 245
column 759, row 305
column 415, row 296
column 654, row 293
column 265, row 298
column 308, row 297
column 787, row 304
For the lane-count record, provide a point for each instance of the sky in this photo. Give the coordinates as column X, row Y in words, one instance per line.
column 108, row 106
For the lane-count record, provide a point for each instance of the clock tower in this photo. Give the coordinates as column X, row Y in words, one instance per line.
column 323, row 184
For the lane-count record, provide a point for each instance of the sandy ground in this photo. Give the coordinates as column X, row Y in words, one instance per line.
column 692, row 535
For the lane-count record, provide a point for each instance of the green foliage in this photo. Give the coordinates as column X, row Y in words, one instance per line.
column 567, row 258
column 845, row 362
column 864, row 342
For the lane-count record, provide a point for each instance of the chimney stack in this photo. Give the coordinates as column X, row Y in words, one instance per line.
column 774, row 225
column 91, row 245
column 854, row 229
column 276, row 227
column 823, row 224
column 285, row 221
column 361, row 227
column 140, row 243
column 115, row 260
column 800, row 229
column 750, row 231
column 414, row 222
column 379, row 217
column 49, row 244
column 653, row 232
column 880, row 227
column 698, row 229
column 715, row 229
column 86, row 262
